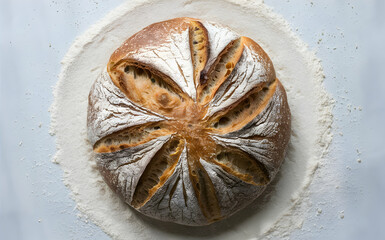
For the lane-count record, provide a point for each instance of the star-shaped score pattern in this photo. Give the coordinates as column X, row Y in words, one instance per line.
column 188, row 123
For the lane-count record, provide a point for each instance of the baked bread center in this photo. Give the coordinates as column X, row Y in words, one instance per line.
column 196, row 133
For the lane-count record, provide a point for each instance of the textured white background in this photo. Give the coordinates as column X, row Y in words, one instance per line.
column 348, row 37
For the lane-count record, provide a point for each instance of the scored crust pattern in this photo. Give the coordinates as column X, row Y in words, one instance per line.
column 188, row 122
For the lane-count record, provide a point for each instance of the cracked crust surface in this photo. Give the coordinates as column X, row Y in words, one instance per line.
column 188, row 122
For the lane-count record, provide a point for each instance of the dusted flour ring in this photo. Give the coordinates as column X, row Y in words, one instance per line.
column 188, row 122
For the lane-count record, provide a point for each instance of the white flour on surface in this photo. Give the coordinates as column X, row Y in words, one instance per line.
column 274, row 215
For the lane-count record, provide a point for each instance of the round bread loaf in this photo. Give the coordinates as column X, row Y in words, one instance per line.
column 188, row 122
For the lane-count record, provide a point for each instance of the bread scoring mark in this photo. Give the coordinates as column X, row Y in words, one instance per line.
column 164, row 47
column 261, row 150
column 241, row 165
column 199, row 49
column 271, row 122
column 205, row 192
column 253, row 69
column 175, row 199
column 109, row 110
column 219, row 71
column 122, row 169
column 148, row 88
column 219, row 37
column 244, row 110
column 236, row 194
column 157, row 171
column 131, row 137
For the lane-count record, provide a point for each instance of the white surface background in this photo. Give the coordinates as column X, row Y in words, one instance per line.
column 348, row 37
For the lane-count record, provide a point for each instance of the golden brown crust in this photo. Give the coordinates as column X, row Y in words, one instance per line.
column 265, row 59
column 221, row 139
column 145, row 37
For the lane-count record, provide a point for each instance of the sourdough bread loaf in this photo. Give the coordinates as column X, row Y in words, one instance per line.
column 188, row 121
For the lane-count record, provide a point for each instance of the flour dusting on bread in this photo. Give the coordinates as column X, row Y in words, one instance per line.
column 212, row 99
